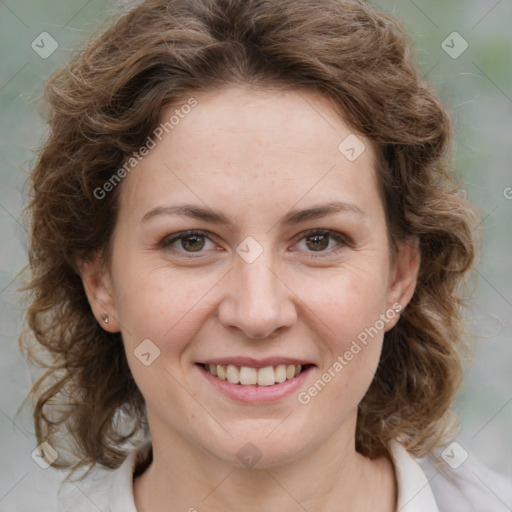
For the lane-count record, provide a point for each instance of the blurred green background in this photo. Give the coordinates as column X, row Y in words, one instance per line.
column 476, row 86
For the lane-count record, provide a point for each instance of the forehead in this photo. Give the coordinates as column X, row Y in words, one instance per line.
column 277, row 120
column 238, row 142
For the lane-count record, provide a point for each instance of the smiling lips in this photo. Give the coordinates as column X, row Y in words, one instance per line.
column 250, row 376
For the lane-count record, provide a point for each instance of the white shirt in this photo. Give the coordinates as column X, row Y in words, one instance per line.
column 423, row 486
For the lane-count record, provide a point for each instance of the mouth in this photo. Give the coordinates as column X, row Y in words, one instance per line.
column 250, row 381
column 255, row 376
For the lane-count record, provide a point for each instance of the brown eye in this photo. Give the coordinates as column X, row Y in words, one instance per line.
column 323, row 242
column 187, row 242
column 317, row 242
column 193, row 243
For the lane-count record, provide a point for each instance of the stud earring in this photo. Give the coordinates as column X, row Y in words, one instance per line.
column 104, row 317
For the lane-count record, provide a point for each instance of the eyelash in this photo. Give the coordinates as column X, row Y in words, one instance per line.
column 169, row 240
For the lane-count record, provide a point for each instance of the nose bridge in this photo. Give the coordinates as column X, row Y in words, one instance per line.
column 257, row 301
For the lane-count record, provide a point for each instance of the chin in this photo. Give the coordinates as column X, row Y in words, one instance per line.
column 261, row 450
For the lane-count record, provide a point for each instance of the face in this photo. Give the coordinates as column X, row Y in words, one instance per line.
column 249, row 243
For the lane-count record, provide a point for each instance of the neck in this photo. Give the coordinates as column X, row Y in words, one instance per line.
column 183, row 477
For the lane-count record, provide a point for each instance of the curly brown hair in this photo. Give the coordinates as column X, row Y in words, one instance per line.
column 106, row 102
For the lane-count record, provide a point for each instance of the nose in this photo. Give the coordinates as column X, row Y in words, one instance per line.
column 257, row 301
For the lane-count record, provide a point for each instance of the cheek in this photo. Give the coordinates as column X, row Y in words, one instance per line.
column 349, row 311
column 348, row 301
column 161, row 304
column 352, row 343
column 167, row 311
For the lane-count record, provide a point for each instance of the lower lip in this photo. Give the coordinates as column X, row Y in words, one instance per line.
column 254, row 393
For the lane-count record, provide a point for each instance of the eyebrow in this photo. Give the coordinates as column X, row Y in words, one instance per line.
column 217, row 217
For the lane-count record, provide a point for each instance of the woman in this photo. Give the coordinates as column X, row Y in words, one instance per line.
column 247, row 243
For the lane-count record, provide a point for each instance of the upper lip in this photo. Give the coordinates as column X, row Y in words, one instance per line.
column 255, row 363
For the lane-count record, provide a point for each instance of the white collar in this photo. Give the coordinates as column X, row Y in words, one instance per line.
column 414, row 492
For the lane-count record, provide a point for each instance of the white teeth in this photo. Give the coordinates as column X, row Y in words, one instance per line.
column 266, row 376
column 247, row 376
column 232, row 374
column 221, row 372
column 281, row 373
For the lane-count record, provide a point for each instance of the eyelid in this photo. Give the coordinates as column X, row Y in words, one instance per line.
column 324, row 231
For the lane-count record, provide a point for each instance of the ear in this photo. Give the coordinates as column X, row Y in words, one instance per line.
column 403, row 277
column 98, row 288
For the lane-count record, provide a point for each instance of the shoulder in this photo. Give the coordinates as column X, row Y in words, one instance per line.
column 87, row 496
column 452, row 479
column 466, row 485
column 107, row 491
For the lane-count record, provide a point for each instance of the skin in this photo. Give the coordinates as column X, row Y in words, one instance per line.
column 254, row 156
